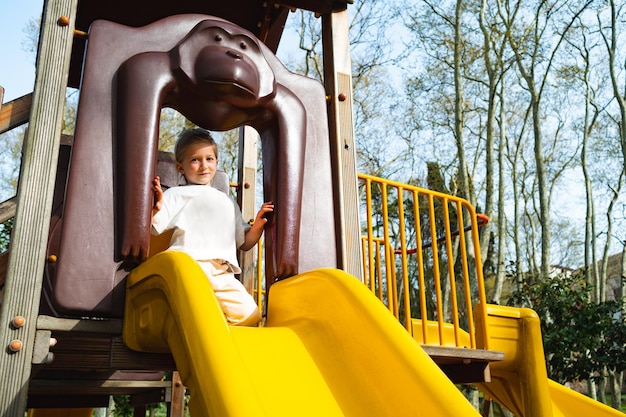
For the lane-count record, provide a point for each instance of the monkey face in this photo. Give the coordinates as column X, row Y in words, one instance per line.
column 228, row 74
column 223, row 62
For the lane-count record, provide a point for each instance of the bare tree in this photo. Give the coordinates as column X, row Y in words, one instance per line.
column 381, row 150
column 528, row 41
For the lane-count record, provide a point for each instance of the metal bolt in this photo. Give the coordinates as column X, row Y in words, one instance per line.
column 15, row 345
column 18, row 321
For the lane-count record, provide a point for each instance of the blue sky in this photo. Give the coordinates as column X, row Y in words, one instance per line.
column 17, row 67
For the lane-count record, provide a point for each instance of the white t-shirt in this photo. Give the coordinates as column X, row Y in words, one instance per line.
column 206, row 223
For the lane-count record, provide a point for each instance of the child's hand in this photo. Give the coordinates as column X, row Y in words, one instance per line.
column 158, row 194
column 263, row 214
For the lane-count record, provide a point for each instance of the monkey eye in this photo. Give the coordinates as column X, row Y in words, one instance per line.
column 218, row 38
column 243, row 45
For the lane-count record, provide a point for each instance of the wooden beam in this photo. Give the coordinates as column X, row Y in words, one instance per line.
column 97, row 352
column 338, row 83
column 445, row 354
column 106, row 326
column 7, row 209
column 464, row 366
column 61, row 401
column 15, row 113
column 177, row 403
column 34, row 202
column 246, row 194
column 4, row 260
column 92, row 387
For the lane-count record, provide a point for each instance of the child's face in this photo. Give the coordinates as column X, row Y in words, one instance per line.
column 199, row 163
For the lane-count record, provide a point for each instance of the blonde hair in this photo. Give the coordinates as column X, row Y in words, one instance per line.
column 191, row 136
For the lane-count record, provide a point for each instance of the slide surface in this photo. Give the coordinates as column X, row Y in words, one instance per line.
column 569, row 403
column 328, row 348
column 520, row 382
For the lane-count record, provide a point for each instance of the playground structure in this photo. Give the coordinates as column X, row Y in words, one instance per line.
column 329, row 346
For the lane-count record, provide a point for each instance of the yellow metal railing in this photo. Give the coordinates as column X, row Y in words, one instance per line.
column 422, row 261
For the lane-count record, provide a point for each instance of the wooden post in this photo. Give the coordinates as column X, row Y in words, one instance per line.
column 177, row 404
column 338, row 83
column 34, row 203
column 248, row 143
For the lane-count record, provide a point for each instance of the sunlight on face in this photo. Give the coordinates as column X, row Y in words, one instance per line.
column 199, row 163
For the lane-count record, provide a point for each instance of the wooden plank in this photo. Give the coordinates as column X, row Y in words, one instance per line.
column 41, row 353
column 337, row 80
column 445, row 354
column 85, row 386
column 15, row 113
column 177, row 404
column 249, row 139
column 464, row 366
column 7, row 209
column 61, row 401
column 104, row 326
column 34, row 202
column 101, row 352
column 93, row 392
column 4, row 260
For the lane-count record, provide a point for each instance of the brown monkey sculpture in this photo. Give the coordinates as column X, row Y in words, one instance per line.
column 218, row 77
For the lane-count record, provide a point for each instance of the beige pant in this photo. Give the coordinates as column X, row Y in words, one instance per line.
column 238, row 306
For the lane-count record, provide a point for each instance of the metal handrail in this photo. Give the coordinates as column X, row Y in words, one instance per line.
column 427, row 286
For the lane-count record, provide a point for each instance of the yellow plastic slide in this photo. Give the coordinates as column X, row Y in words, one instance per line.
column 569, row 403
column 520, row 382
column 328, row 348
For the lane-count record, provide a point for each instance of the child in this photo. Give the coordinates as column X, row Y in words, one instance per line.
column 207, row 224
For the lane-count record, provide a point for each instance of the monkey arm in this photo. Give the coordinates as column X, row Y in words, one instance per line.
column 283, row 162
column 143, row 82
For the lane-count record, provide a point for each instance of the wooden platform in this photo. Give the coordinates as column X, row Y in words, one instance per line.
column 90, row 362
column 463, row 365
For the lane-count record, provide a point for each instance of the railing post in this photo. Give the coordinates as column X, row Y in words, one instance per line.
column 34, row 203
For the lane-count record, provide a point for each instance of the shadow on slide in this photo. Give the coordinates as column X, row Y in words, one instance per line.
column 520, row 382
column 328, row 348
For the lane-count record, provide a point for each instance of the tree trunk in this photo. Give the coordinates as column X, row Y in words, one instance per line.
column 592, row 389
column 615, row 381
column 459, row 122
column 502, row 224
column 602, row 386
column 591, row 266
column 622, row 281
column 492, row 74
column 544, row 201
